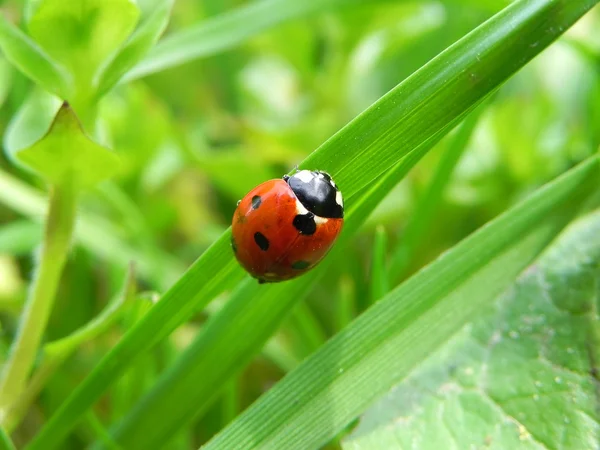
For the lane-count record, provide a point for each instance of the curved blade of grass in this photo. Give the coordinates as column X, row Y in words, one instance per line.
column 525, row 364
column 225, row 31
column 420, row 220
column 406, row 117
column 220, row 351
column 316, row 400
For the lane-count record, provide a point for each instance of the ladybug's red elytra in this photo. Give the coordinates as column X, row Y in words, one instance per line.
column 282, row 228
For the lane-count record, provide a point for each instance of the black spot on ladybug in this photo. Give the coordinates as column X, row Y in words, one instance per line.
column 305, row 223
column 233, row 246
column 300, row 265
column 261, row 241
column 256, row 201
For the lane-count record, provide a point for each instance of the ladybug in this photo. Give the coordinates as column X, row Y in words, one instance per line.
column 282, row 228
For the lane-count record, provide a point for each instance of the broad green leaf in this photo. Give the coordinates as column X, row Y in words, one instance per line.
column 520, row 376
column 409, row 115
column 67, row 155
column 30, row 123
column 360, row 364
column 81, row 35
column 30, row 59
column 226, row 31
column 138, row 44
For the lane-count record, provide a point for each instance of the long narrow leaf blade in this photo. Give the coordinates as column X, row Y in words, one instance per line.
column 221, row 351
column 360, row 364
column 406, row 117
column 226, row 31
column 136, row 46
column 25, row 54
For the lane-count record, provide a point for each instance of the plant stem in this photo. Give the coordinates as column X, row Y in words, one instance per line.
column 59, row 229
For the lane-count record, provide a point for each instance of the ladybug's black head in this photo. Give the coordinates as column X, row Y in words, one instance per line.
column 317, row 192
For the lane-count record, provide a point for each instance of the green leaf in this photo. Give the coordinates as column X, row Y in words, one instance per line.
column 379, row 279
column 418, row 223
column 425, row 104
column 30, row 59
column 83, row 35
column 226, row 31
column 142, row 40
column 361, row 363
column 520, row 376
column 67, row 155
column 220, row 351
column 30, row 123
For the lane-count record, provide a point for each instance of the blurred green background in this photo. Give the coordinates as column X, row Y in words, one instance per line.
column 195, row 138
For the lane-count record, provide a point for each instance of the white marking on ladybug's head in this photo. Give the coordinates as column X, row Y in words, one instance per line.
column 338, row 199
column 300, row 209
column 333, row 184
column 304, row 175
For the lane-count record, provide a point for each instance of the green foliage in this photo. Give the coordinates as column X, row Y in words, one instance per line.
column 67, row 156
column 463, row 137
column 327, row 391
column 81, row 36
column 25, row 54
column 522, row 365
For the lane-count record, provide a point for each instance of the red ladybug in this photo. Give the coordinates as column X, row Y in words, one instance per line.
column 283, row 228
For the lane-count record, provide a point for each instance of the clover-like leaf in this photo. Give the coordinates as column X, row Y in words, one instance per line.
column 82, row 35
column 66, row 154
column 522, row 376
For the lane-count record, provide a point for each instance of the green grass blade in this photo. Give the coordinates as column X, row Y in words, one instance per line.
column 528, row 356
column 379, row 278
column 420, row 220
column 315, row 401
column 419, row 108
column 220, row 351
column 226, row 31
